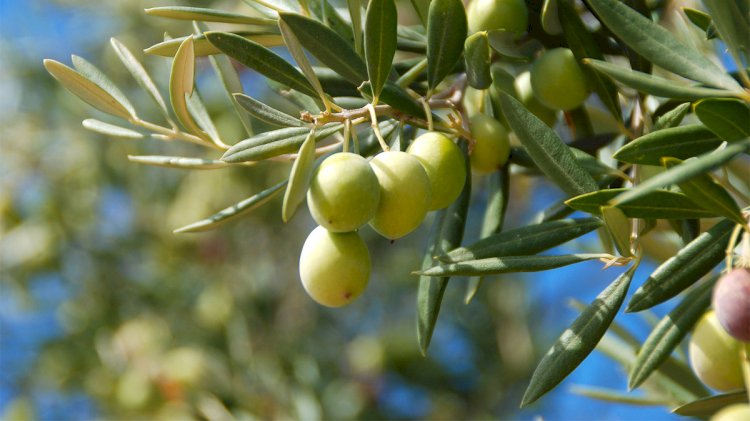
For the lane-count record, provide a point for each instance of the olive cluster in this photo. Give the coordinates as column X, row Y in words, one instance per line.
column 392, row 192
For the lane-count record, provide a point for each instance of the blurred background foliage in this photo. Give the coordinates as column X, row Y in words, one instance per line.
column 104, row 312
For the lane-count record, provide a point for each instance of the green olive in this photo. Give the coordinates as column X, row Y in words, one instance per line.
column 527, row 98
column 405, row 194
column 344, row 193
column 736, row 412
column 557, row 80
column 714, row 355
column 491, row 147
column 334, row 267
column 507, row 15
column 444, row 163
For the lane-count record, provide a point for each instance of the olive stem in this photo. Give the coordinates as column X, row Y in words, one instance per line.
column 376, row 128
column 174, row 134
column 407, row 78
column 428, row 113
column 347, row 131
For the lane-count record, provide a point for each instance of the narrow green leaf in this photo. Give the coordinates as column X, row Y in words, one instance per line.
column 659, row 46
column 140, row 75
column 299, row 178
column 396, row 97
column 547, row 150
column 706, row 192
column 509, row 264
column 235, row 211
column 206, row 15
column 422, row 8
column 498, row 192
column 618, row 227
column 266, row 113
column 706, row 407
column 111, row 129
column 683, row 269
column 181, row 82
column 452, row 222
column 178, row 162
column 168, row 48
column 700, row 19
column 446, row 34
column 327, row 46
column 683, row 172
column 577, row 342
column 733, row 27
column 198, row 111
column 92, row 73
column 355, row 15
column 609, row 395
column 655, row 85
column 583, row 45
column 680, row 142
column 524, row 241
column 728, row 118
column 669, row 332
column 330, row 17
column 230, row 79
column 86, row 89
column 672, row 118
column 477, row 56
column 657, row 204
column 550, row 18
column 380, row 42
column 276, row 142
column 262, row 60
column 295, row 49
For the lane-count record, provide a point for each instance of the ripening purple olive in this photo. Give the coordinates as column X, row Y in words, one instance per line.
column 731, row 301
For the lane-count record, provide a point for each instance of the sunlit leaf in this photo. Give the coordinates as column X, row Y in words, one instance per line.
column 266, row 113
column 477, row 56
column 139, row 74
column 547, row 150
column 330, row 17
column 683, row 269
column 680, row 142
column 178, row 162
column 86, row 89
column 656, row 85
column 262, row 60
column 450, row 231
column 181, row 82
column 111, row 129
column 275, row 142
column 704, row 191
column 728, row 118
column 446, row 33
column 380, row 42
column 206, row 15
column 198, row 111
column 523, row 241
column 658, row 45
column 577, row 342
column 701, row 20
column 509, row 264
column 355, row 15
column 295, row 49
column 733, row 26
column 618, row 227
column 168, row 48
column 657, row 204
column 299, row 178
column 706, row 407
column 614, row 396
column 669, row 332
column 230, row 79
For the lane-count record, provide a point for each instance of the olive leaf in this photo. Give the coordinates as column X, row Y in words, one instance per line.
column 299, row 177
column 235, row 211
column 550, row 18
column 380, row 42
column 262, row 60
column 168, row 48
column 728, row 118
column 523, row 241
column 618, row 227
column 295, row 49
column 86, row 89
column 733, row 26
column 547, row 150
column 659, row 46
column 178, row 162
column 701, row 20
column 672, row 118
column 577, row 342
column 708, row 406
column 446, row 34
column 181, row 82
column 355, row 15
column 275, row 142
column 206, row 15
column 669, row 332
column 450, row 226
column 230, row 79
column 266, row 113
column 111, row 129
column 477, row 55
column 610, row 395
column 683, row 269
column 92, row 73
column 680, row 142
column 706, row 192
column 656, row 204
column 140, row 75
column 509, row 264
column 330, row 17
